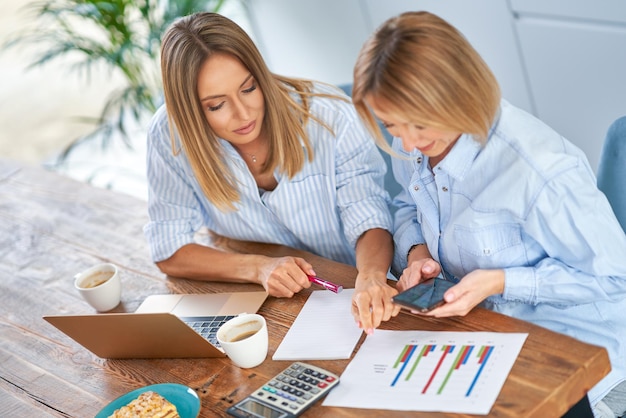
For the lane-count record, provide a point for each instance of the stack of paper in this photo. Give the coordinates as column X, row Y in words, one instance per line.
column 324, row 329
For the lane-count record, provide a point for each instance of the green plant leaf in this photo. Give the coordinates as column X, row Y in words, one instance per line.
column 122, row 36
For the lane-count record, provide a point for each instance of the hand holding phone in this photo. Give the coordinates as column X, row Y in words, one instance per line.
column 424, row 296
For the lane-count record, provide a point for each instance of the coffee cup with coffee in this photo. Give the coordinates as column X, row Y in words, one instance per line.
column 100, row 286
column 244, row 340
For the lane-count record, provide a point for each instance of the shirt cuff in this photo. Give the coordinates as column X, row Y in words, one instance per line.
column 404, row 239
column 520, row 285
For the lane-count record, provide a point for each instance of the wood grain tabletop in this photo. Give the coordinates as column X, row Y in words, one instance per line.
column 52, row 227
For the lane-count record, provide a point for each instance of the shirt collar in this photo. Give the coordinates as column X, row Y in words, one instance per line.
column 459, row 160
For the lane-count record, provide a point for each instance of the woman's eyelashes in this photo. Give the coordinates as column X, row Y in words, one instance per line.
column 391, row 126
column 248, row 90
column 214, row 108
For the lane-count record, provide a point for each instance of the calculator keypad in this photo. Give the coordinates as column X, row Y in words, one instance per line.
column 296, row 387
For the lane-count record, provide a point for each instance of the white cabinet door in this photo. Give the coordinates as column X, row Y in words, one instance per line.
column 577, row 76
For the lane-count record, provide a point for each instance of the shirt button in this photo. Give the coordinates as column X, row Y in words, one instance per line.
column 416, row 187
column 486, row 251
column 419, row 160
column 444, row 188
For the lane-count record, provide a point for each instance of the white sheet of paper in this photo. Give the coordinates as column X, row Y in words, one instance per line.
column 323, row 330
column 461, row 372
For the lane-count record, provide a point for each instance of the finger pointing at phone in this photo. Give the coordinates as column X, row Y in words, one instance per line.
column 417, row 271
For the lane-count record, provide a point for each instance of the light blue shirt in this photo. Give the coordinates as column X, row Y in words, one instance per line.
column 526, row 202
column 324, row 209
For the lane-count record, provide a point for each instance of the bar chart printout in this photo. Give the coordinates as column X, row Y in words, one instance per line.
column 459, row 372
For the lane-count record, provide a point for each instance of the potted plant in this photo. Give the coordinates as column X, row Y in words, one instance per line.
column 122, row 35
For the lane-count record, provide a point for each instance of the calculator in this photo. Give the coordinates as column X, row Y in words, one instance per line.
column 288, row 394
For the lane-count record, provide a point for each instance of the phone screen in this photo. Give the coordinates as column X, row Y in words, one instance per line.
column 424, row 296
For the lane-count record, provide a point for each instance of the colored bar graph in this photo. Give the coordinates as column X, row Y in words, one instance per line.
column 448, row 363
column 425, row 349
column 429, row 371
column 446, row 350
column 461, row 357
column 404, row 359
column 483, row 360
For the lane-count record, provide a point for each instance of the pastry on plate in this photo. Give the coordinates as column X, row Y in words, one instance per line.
column 148, row 405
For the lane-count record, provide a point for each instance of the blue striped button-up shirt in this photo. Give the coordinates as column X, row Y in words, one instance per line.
column 323, row 209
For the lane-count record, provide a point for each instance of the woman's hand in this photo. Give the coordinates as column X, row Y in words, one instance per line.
column 469, row 292
column 418, row 271
column 284, row 276
column 371, row 302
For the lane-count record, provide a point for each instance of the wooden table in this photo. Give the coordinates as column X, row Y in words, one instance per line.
column 52, row 227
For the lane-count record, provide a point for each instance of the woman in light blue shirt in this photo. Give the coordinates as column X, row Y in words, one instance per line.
column 494, row 199
column 254, row 156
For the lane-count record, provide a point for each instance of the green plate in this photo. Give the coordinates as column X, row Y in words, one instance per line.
column 184, row 398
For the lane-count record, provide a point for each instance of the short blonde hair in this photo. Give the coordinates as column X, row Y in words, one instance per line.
column 421, row 68
column 187, row 44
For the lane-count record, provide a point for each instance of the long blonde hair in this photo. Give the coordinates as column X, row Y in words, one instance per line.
column 187, row 44
column 421, row 68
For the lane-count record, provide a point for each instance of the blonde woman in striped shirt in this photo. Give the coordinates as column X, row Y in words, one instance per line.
column 255, row 156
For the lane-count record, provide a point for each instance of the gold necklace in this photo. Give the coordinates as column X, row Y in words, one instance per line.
column 251, row 156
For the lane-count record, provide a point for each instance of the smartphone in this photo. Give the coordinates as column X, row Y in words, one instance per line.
column 424, row 296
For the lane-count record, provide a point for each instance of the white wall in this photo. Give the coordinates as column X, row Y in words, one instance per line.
column 562, row 60
column 321, row 39
column 312, row 39
column 487, row 24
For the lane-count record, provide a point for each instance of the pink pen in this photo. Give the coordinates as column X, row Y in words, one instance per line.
column 328, row 285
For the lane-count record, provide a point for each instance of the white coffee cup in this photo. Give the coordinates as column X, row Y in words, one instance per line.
column 244, row 339
column 100, row 286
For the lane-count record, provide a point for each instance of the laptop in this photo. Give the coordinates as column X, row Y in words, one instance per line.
column 164, row 326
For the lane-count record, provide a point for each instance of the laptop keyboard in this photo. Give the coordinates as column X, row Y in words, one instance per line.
column 207, row 326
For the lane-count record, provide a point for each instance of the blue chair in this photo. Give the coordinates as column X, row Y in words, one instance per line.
column 391, row 185
column 612, row 169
